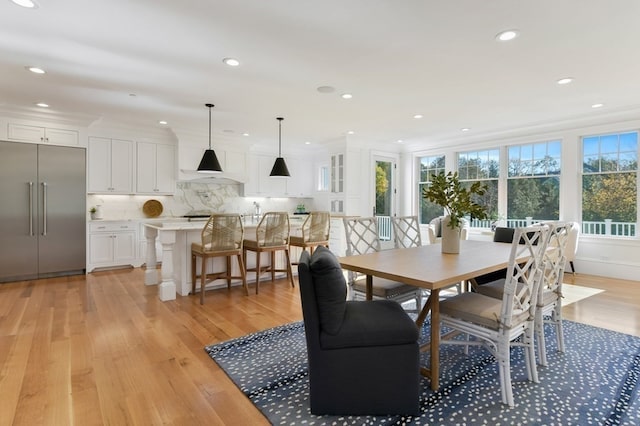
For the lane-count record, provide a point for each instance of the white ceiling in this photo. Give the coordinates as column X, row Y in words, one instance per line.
column 397, row 57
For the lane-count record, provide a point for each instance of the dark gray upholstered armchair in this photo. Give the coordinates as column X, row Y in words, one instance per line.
column 363, row 355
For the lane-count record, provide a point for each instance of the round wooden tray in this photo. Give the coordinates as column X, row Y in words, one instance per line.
column 152, row 208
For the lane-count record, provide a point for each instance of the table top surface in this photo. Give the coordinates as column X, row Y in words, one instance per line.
column 428, row 267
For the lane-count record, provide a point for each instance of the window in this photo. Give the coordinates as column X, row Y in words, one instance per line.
column 533, row 184
column 323, row 178
column 482, row 166
column 609, row 184
column 429, row 166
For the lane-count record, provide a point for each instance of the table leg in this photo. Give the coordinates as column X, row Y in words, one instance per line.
column 369, row 289
column 435, row 339
column 433, row 372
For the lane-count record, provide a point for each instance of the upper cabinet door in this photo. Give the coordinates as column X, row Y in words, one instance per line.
column 165, row 169
column 121, row 166
column 155, row 168
column 38, row 134
column 300, row 184
column 110, row 166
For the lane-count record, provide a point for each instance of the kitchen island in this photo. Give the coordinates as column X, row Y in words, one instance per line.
column 176, row 239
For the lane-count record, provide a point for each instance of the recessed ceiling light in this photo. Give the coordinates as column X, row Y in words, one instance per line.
column 35, row 70
column 42, row 105
column 245, row 134
column 162, row 122
column 347, row 96
column 565, row 80
column 326, row 89
column 351, row 132
column 400, row 141
column 507, row 35
column 307, row 143
column 25, row 3
column 232, row 62
column 465, row 129
column 418, row 116
column 597, row 105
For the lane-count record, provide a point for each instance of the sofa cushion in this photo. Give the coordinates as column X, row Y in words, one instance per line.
column 330, row 288
column 373, row 323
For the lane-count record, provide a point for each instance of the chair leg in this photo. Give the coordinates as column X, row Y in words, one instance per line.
column 273, row 266
column 203, row 278
column 289, row 273
column 530, row 354
column 557, row 320
column 503, row 357
column 193, row 274
column 257, row 271
column 228, row 272
column 542, row 349
column 573, row 271
column 243, row 274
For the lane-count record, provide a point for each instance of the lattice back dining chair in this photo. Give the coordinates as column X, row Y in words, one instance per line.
column 549, row 308
column 362, row 238
column 315, row 232
column 572, row 245
column 406, row 231
column 221, row 236
column 499, row 324
column 272, row 235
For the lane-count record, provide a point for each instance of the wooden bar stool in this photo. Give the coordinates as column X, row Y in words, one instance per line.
column 315, row 232
column 221, row 236
column 272, row 235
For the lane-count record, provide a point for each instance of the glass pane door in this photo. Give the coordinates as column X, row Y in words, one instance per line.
column 384, row 191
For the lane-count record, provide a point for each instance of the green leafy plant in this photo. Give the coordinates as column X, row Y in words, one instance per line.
column 93, row 210
column 457, row 201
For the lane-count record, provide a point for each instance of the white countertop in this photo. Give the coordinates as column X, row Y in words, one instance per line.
column 187, row 226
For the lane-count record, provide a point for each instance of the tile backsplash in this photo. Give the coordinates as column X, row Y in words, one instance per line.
column 189, row 197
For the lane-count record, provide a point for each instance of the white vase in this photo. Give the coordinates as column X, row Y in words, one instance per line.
column 450, row 237
column 98, row 213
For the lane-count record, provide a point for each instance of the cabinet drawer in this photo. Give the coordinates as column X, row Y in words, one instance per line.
column 112, row 226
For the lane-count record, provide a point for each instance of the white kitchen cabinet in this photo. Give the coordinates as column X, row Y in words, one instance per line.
column 112, row 244
column 260, row 184
column 38, row 134
column 110, row 166
column 337, row 173
column 155, row 168
column 300, row 184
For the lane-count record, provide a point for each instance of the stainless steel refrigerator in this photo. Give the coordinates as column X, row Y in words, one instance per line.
column 42, row 211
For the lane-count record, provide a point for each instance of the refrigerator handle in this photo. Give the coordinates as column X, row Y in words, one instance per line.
column 44, row 208
column 31, row 209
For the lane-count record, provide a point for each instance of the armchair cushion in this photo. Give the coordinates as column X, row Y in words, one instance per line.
column 374, row 323
column 331, row 290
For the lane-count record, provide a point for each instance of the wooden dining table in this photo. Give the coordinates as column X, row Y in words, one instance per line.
column 427, row 267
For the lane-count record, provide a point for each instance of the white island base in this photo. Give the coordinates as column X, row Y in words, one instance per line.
column 176, row 239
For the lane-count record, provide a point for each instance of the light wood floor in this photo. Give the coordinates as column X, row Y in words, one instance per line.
column 102, row 349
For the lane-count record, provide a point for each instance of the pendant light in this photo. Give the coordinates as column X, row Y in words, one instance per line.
column 279, row 167
column 209, row 162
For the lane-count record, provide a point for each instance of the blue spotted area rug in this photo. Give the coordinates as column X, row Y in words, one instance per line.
column 595, row 382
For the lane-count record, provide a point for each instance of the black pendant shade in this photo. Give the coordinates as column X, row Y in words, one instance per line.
column 279, row 167
column 209, row 162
